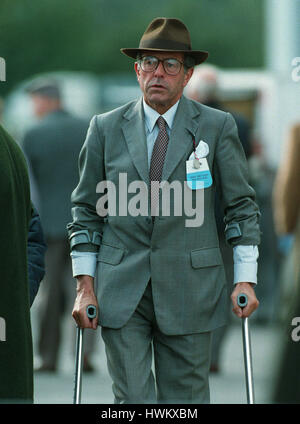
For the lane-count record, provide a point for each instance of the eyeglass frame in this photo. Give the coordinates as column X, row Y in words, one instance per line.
column 139, row 60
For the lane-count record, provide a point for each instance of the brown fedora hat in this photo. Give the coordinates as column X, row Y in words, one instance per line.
column 167, row 34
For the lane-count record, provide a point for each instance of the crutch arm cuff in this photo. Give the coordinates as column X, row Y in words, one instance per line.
column 83, row 237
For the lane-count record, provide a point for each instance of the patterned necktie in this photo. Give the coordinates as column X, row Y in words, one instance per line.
column 157, row 162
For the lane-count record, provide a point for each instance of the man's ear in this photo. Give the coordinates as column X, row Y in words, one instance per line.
column 188, row 75
column 137, row 69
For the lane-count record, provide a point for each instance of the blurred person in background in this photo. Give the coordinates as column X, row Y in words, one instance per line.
column 204, row 88
column 22, row 269
column 286, row 204
column 52, row 147
column 262, row 177
column 36, row 245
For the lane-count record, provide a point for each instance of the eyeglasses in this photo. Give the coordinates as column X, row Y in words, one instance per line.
column 171, row 66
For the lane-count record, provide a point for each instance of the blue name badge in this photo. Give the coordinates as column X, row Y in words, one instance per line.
column 198, row 177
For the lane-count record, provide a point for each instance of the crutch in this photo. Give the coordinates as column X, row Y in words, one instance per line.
column 242, row 301
column 91, row 312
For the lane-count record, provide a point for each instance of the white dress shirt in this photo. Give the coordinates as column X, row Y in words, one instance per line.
column 244, row 257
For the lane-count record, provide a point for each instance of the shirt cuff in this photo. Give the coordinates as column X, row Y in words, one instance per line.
column 245, row 264
column 83, row 263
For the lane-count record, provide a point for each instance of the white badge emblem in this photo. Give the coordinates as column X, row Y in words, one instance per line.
column 197, row 170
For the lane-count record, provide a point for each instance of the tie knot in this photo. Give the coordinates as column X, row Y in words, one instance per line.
column 161, row 122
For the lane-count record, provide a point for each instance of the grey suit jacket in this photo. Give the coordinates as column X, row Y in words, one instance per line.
column 184, row 263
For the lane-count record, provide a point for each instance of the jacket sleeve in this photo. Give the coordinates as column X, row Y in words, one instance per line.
column 237, row 196
column 36, row 248
column 85, row 230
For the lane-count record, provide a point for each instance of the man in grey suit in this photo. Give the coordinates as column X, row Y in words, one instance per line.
column 160, row 278
column 52, row 147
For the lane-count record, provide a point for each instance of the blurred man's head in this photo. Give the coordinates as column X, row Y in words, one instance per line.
column 203, row 85
column 45, row 95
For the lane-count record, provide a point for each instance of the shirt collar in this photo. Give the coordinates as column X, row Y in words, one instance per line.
column 151, row 115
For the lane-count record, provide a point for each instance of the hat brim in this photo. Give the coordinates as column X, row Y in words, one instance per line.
column 199, row 55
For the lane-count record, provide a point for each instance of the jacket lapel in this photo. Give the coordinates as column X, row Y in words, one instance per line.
column 134, row 133
column 185, row 126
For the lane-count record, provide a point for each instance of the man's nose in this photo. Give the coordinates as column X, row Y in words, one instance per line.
column 159, row 71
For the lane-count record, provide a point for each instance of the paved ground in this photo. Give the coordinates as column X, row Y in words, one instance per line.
column 226, row 387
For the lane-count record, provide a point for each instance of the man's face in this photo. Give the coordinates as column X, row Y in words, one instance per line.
column 43, row 105
column 161, row 90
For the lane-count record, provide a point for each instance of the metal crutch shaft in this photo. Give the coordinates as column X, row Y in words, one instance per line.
column 242, row 301
column 91, row 312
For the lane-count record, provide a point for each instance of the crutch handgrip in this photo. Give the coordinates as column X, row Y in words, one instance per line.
column 242, row 300
column 91, row 311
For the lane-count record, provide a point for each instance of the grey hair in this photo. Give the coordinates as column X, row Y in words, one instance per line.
column 189, row 62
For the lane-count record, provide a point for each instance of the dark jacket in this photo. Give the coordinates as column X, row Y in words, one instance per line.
column 36, row 248
column 16, row 355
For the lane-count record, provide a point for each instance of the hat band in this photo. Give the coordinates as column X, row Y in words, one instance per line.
column 163, row 44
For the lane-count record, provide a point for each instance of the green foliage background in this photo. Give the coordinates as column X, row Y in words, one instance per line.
column 46, row 35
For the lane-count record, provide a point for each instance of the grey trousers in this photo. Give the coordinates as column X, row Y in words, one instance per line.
column 181, row 363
